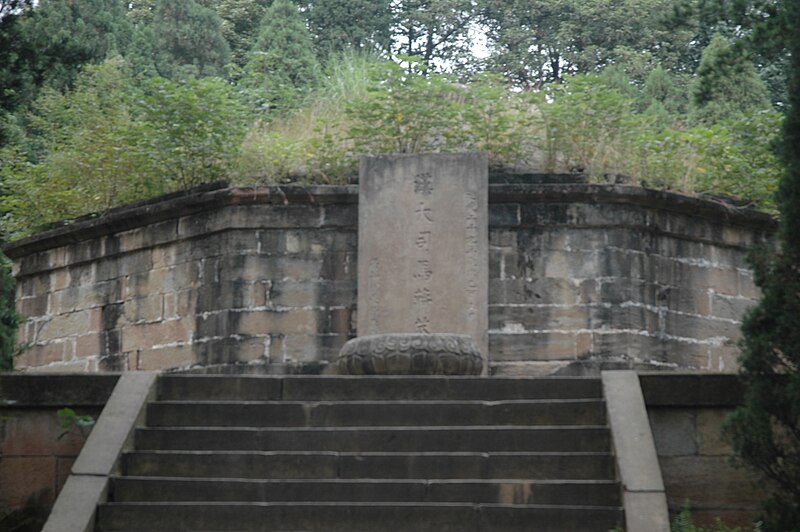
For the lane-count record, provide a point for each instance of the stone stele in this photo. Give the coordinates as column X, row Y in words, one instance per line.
column 423, row 245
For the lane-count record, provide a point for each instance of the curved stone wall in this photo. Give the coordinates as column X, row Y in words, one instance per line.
column 264, row 280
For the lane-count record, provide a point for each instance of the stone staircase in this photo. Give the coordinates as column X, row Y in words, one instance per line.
column 369, row 454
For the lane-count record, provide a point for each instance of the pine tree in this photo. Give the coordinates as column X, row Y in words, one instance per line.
column 765, row 431
column 240, row 19
column 282, row 61
column 659, row 88
column 188, row 40
column 726, row 84
column 54, row 39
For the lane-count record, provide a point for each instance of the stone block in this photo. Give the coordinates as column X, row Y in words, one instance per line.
column 618, row 290
column 709, row 432
column 632, row 238
column 251, row 217
column 747, row 287
column 135, row 262
column 539, row 291
column 340, row 216
column 687, row 300
column 724, row 358
column 544, row 346
column 33, row 306
column 637, row 317
column 699, row 327
column 255, row 268
column 65, row 325
column 41, row 354
column 33, row 286
column 292, row 321
column 685, row 353
column 312, row 293
column 74, row 366
column 84, row 251
column 524, row 369
column 231, row 350
column 144, row 309
column 224, row 295
column 146, row 335
column 164, row 280
column 730, row 307
column 572, row 265
column 164, row 256
column 540, row 318
column 539, row 215
column 88, row 345
column 114, row 362
column 724, row 281
column 152, row 235
column 504, row 215
column 498, row 237
column 311, row 348
column 59, row 279
column 626, row 215
column 674, row 431
column 708, row 482
column 165, row 358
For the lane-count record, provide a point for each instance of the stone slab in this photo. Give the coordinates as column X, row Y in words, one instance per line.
column 76, row 506
column 116, row 424
column 643, row 487
column 423, row 245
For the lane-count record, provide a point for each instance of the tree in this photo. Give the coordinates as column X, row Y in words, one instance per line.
column 188, row 40
column 726, row 84
column 765, row 431
column 539, row 41
column 434, row 31
column 240, row 20
column 67, row 35
column 339, row 25
column 282, row 61
column 16, row 78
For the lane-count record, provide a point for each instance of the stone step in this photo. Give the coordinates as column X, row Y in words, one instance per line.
column 375, row 413
column 504, row 491
column 370, row 465
column 373, row 388
column 363, row 439
column 352, row 517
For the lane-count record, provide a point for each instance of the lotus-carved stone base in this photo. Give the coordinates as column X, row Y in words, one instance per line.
column 411, row 354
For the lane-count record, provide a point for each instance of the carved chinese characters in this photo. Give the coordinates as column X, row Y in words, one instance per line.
column 423, row 245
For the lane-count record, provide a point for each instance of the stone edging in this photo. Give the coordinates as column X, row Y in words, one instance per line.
column 87, row 486
column 643, row 494
column 208, row 197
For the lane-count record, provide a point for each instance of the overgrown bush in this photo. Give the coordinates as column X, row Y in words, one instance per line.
column 109, row 141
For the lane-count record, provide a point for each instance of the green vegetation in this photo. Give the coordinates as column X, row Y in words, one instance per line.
column 765, row 431
column 107, row 102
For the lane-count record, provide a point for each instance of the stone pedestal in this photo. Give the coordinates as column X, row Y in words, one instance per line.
column 411, row 354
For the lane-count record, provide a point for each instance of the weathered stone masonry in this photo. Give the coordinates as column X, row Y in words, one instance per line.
column 265, row 279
